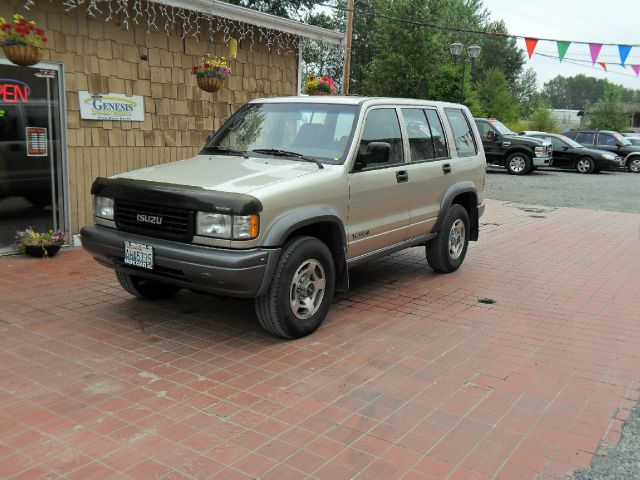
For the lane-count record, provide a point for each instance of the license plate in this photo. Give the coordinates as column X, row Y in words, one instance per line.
column 138, row 255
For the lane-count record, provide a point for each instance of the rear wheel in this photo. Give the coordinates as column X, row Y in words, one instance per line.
column 144, row 288
column 446, row 252
column 634, row 165
column 585, row 165
column 518, row 163
column 301, row 290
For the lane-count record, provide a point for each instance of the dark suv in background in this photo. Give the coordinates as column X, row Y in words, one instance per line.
column 612, row 142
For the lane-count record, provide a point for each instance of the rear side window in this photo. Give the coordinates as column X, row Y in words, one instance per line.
column 437, row 133
column 418, row 134
column 586, row 138
column 462, row 133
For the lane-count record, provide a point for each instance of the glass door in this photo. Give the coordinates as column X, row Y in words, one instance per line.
column 32, row 146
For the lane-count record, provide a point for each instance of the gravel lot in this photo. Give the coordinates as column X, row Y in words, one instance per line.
column 614, row 191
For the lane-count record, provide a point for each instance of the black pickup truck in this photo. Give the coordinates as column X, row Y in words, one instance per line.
column 519, row 154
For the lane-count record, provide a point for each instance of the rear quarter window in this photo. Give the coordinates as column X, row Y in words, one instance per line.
column 463, row 138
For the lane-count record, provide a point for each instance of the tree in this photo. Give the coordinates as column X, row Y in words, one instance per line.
column 580, row 91
column 610, row 113
column 526, row 92
column 495, row 98
column 541, row 119
column 392, row 57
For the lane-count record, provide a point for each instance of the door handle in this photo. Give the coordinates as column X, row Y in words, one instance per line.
column 446, row 168
column 402, row 176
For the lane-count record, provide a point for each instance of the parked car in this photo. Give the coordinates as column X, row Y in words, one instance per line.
column 612, row 142
column 520, row 155
column 287, row 196
column 568, row 153
column 635, row 141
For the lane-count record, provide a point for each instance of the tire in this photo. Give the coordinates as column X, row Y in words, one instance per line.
column 633, row 165
column 144, row 288
column 305, row 272
column 518, row 163
column 444, row 256
column 585, row 165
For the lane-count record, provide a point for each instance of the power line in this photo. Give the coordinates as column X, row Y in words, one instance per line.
column 466, row 30
column 584, row 64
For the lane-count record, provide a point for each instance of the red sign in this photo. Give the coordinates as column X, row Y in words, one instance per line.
column 13, row 91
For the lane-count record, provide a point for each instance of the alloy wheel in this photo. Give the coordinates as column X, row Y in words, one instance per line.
column 307, row 289
column 456, row 239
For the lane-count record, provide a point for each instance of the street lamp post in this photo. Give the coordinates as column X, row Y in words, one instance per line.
column 473, row 51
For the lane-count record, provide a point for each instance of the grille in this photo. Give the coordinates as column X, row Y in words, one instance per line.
column 177, row 224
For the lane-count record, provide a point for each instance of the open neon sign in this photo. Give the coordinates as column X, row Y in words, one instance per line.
column 14, row 91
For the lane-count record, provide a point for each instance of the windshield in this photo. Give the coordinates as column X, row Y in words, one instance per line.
column 317, row 130
column 622, row 140
column 572, row 143
column 501, row 127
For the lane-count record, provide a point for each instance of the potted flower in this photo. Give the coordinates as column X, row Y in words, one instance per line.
column 40, row 244
column 211, row 73
column 22, row 41
column 319, row 86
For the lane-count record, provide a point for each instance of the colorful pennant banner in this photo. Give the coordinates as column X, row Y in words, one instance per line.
column 531, row 45
column 562, row 48
column 603, row 65
column 594, row 49
column 636, row 69
column 624, row 53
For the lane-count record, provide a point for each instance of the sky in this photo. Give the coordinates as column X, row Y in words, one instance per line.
column 613, row 21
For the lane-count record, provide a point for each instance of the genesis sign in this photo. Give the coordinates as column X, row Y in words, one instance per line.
column 111, row 106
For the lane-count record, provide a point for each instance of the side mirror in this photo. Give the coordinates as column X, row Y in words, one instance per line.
column 491, row 135
column 209, row 137
column 566, row 147
column 377, row 152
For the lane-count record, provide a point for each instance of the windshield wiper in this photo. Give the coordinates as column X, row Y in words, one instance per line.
column 286, row 153
column 220, row 149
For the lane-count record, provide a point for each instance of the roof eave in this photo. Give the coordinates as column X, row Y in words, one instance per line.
column 260, row 19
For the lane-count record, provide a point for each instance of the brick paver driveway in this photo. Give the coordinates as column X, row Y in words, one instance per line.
column 411, row 377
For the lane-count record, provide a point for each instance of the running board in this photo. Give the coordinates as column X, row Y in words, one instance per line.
column 412, row 242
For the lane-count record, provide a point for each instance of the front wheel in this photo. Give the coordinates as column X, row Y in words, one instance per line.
column 518, row 163
column 446, row 252
column 144, row 288
column 634, row 165
column 585, row 165
column 301, row 290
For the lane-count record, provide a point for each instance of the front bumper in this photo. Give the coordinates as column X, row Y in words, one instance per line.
column 542, row 161
column 234, row 273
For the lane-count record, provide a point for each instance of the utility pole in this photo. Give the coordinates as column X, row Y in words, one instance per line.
column 347, row 54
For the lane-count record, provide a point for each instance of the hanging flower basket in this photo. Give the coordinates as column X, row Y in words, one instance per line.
column 211, row 73
column 319, row 86
column 24, row 55
column 209, row 84
column 22, row 41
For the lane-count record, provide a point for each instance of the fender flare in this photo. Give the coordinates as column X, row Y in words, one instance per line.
column 290, row 221
column 632, row 154
column 453, row 191
column 518, row 148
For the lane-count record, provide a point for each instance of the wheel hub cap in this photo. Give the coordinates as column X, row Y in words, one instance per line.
column 307, row 289
column 456, row 239
column 517, row 164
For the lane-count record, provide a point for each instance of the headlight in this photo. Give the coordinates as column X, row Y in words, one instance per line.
column 219, row 225
column 539, row 151
column 103, row 207
column 608, row 156
column 214, row 225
